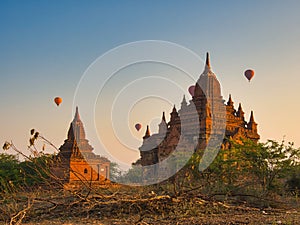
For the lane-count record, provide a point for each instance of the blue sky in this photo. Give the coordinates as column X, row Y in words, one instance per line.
column 46, row 46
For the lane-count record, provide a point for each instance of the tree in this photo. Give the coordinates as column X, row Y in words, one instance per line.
column 10, row 175
column 293, row 182
column 36, row 171
column 249, row 166
column 114, row 171
column 270, row 161
column 133, row 176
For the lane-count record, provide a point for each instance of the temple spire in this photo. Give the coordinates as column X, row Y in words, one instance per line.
column 207, row 63
column 240, row 112
column 183, row 103
column 252, row 125
column 163, row 117
column 162, row 127
column 230, row 102
column 251, row 117
column 174, row 110
column 77, row 116
column 147, row 133
column 174, row 117
column 240, row 107
column 174, row 114
column 76, row 131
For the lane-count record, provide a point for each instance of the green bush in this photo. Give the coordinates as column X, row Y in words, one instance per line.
column 10, row 176
column 15, row 174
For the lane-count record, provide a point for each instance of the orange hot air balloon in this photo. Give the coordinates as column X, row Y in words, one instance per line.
column 249, row 74
column 138, row 126
column 58, row 100
column 192, row 90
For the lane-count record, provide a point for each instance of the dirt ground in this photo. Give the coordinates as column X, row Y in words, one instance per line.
column 203, row 213
column 140, row 206
column 247, row 217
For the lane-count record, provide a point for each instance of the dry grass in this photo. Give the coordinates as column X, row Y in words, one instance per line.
column 134, row 205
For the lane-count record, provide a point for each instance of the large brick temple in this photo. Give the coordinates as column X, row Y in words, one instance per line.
column 76, row 161
column 206, row 106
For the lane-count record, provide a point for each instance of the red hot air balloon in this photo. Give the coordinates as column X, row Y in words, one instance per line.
column 138, row 126
column 58, row 100
column 249, row 74
column 192, row 90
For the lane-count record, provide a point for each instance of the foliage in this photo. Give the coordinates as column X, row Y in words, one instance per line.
column 270, row 162
column 293, row 183
column 15, row 174
column 114, row 171
column 10, row 175
column 133, row 176
column 244, row 168
column 36, row 171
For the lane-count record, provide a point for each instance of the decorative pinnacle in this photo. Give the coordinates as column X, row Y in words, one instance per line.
column 147, row 134
column 251, row 117
column 230, row 102
column 240, row 111
column 183, row 103
column 77, row 116
column 207, row 60
column 163, row 117
column 174, row 109
column 240, row 107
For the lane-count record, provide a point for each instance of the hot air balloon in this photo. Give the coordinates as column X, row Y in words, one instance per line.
column 249, row 74
column 138, row 126
column 192, row 90
column 58, row 100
